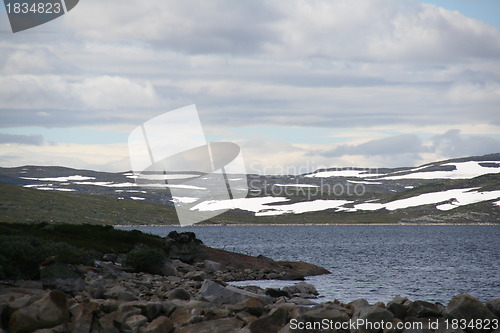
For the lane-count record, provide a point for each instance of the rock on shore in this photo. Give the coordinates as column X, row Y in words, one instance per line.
column 192, row 296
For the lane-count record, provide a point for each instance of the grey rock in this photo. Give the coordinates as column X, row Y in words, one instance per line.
column 120, row 293
column 197, row 275
column 422, row 309
column 160, row 325
column 149, row 309
column 179, row 293
column 213, row 292
column 223, row 325
column 136, row 321
column 301, row 288
column 271, row 323
column 83, row 315
column 301, row 301
column 52, row 310
column 468, row 308
column 494, row 306
column 212, row 266
column 373, row 314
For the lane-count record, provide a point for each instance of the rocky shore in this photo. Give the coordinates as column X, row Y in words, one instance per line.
column 191, row 295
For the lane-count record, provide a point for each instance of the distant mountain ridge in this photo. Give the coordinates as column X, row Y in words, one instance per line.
column 460, row 190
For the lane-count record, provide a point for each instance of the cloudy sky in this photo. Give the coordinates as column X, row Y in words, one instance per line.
column 297, row 84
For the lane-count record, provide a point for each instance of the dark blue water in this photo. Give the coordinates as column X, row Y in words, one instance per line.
column 375, row 262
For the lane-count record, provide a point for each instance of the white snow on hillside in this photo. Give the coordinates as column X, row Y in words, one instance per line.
column 463, row 170
column 301, row 207
column 261, row 205
column 296, row 185
column 60, row 179
column 343, row 173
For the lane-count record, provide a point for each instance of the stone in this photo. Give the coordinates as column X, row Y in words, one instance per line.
column 422, row 309
column 179, row 293
column 212, row 266
column 223, row 325
column 149, row 309
column 357, row 304
column 63, row 328
column 160, row 325
column 275, row 292
column 83, row 315
column 120, row 293
column 467, row 307
column 52, row 310
column 302, row 289
column 494, row 306
column 136, row 321
column 110, row 323
column 253, row 306
column 62, row 277
column 301, row 301
column 181, row 316
column 213, row 292
column 168, row 269
column 271, row 323
column 373, row 314
column 322, row 312
column 397, row 309
column 197, row 275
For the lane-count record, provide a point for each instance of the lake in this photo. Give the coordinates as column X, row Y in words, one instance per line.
column 375, row 262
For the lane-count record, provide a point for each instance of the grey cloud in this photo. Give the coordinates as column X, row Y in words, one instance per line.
column 36, row 140
column 454, row 144
column 394, row 145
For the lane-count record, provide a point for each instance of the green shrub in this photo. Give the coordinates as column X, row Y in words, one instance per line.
column 146, row 260
column 21, row 255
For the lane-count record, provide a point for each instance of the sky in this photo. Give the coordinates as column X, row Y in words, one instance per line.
column 298, row 85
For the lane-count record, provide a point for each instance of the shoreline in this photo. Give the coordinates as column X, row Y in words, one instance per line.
column 299, row 224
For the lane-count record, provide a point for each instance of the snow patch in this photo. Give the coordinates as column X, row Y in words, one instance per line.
column 60, row 179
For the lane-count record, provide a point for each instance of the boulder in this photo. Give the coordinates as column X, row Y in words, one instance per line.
column 168, row 269
column 302, row 289
column 372, row 314
column 52, row 310
column 110, row 323
column 62, row 277
column 494, row 306
column 197, row 275
column 270, row 323
column 322, row 312
column 224, row 325
column 135, row 321
column 83, row 315
column 275, row 292
column 468, row 308
column 397, row 309
column 149, row 309
column 253, row 306
column 160, row 325
column 179, row 293
column 120, row 293
column 212, row 266
column 183, row 246
column 213, row 292
column 422, row 309
column 357, row 304
column 301, row 301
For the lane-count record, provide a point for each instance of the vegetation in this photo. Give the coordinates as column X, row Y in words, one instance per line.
column 25, row 246
column 146, row 260
column 27, row 205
